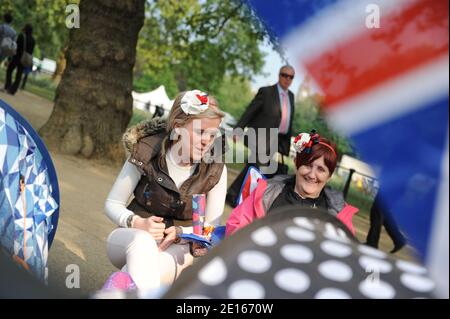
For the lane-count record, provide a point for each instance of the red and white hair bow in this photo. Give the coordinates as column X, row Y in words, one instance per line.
column 194, row 102
column 305, row 141
column 302, row 142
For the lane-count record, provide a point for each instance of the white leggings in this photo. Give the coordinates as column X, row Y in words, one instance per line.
column 138, row 251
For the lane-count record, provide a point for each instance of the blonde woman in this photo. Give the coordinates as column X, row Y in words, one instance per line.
column 169, row 162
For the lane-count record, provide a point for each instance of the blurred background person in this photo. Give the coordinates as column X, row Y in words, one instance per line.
column 7, row 38
column 380, row 217
column 25, row 44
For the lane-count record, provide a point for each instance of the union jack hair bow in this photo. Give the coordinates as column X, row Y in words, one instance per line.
column 305, row 141
column 194, row 102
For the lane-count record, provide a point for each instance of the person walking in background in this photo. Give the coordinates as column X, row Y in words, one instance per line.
column 379, row 217
column 272, row 107
column 7, row 38
column 26, row 71
column 25, row 43
column 159, row 111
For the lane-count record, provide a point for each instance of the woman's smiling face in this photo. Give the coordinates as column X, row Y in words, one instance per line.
column 312, row 178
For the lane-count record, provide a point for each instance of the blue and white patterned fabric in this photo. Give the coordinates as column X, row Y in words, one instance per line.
column 28, row 218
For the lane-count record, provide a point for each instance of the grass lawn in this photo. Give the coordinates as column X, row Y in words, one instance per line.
column 39, row 84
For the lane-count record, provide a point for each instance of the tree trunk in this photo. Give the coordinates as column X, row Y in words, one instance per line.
column 93, row 102
column 60, row 65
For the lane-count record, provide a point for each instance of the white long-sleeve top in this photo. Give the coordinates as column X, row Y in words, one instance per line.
column 129, row 176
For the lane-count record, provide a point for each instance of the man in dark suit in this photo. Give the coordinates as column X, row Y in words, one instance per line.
column 271, row 108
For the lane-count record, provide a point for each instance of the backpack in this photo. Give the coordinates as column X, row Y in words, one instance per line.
column 8, row 47
column 26, row 59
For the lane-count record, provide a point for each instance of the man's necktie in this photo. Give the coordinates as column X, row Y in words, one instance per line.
column 284, row 114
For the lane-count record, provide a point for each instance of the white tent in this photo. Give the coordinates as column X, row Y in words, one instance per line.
column 149, row 100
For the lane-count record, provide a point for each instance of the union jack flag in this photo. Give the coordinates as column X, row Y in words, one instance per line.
column 383, row 67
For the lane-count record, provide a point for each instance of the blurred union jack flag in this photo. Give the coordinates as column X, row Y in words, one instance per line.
column 386, row 85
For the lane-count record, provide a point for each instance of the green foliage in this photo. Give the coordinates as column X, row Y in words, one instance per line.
column 151, row 80
column 234, row 95
column 199, row 42
column 48, row 20
column 138, row 116
column 308, row 117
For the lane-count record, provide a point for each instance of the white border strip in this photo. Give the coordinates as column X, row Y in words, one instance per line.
column 438, row 246
column 405, row 93
column 335, row 24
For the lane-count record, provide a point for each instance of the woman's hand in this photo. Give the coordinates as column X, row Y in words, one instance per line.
column 153, row 225
column 171, row 235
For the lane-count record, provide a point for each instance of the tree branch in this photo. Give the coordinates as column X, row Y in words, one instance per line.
column 225, row 20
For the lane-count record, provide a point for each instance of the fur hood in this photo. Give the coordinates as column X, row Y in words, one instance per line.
column 143, row 129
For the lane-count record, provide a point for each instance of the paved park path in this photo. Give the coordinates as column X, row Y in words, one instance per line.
column 83, row 226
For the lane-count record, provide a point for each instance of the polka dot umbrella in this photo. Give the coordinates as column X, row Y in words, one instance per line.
column 300, row 253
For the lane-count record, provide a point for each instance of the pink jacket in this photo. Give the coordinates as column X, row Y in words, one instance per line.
column 252, row 208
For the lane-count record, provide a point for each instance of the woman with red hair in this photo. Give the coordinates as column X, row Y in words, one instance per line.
column 315, row 161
